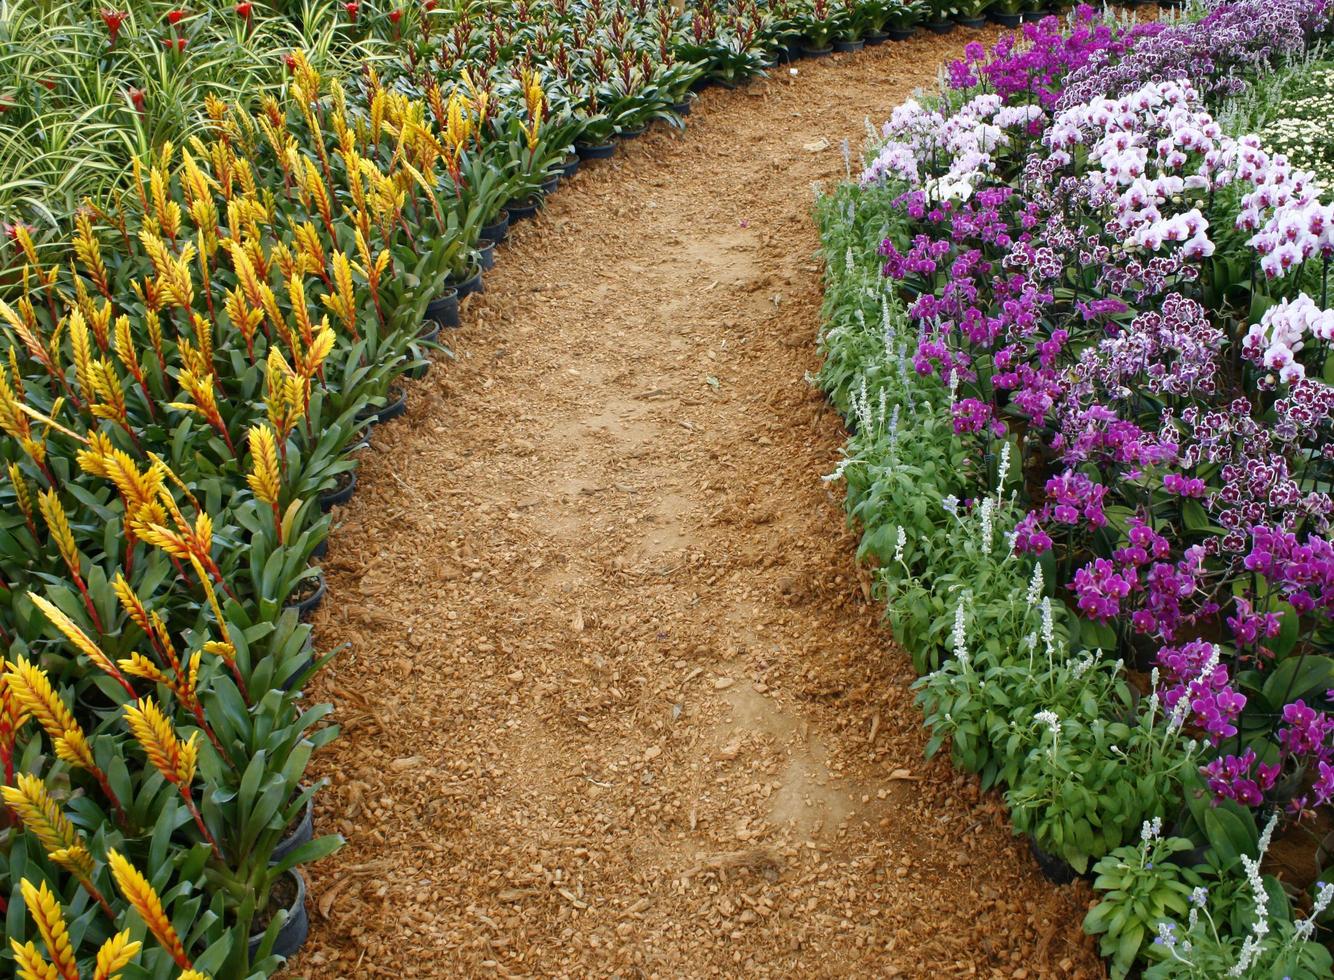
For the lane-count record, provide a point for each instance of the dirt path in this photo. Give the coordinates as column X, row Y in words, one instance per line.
column 616, row 703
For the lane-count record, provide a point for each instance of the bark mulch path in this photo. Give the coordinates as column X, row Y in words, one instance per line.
column 615, row 701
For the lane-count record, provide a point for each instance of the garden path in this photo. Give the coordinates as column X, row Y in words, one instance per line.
column 616, row 702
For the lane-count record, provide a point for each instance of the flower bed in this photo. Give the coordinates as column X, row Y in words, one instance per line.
column 189, row 364
column 1079, row 328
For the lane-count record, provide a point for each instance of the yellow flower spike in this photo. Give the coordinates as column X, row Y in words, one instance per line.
column 122, row 344
column 321, row 347
column 99, row 322
column 309, row 244
column 343, row 302
column 132, row 604
column 30, row 963
column 264, row 478
column 115, row 955
column 193, row 975
column 142, row 896
column 296, row 294
column 166, row 212
column 157, row 738
column 89, row 251
column 24, row 239
column 137, row 665
column 49, row 918
column 83, row 354
column 73, row 747
column 111, row 395
column 22, row 492
column 77, row 637
column 246, row 277
column 33, row 689
column 57, row 523
column 42, row 816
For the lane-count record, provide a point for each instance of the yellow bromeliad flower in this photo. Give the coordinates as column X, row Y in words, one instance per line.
column 115, row 955
column 79, row 639
column 43, row 818
column 174, row 758
column 144, row 899
column 49, row 918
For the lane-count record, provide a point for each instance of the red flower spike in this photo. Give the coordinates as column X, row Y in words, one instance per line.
column 113, row 19
column 243, row 10
column 352, row 9
column 395, row 16
column 137, row 98
column 174, row 17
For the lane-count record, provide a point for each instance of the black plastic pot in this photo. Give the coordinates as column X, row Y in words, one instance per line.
column 682, row 108
column 594, row 151
column 496, row 230
column 1033, row 15
column 302, row 833
column 973, row 23
column 397, row 403
column 473, row 284
column 900, row 33
column 523, row 209
column 312, row 602
column 320, row 550
column 875, row 37
column 292, row 935
column 549, row 185
column 632, row 133
column 1006, row 20
column 794, row 52
column 942, row 27
column 817, row 52
column 444, row 309
column 339, row 495
column 1055, row 869
column 570, row 167
column 486, row 253
column 362, row 439
column 846, row 47
column 430, row 331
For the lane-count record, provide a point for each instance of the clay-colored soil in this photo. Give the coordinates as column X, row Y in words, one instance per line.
column 615, row 701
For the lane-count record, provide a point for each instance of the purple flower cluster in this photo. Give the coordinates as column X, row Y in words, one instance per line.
column 1196, row 677
column 1216, row 53
column 1184, row 470
column 1032, row 64
column 1241, row 777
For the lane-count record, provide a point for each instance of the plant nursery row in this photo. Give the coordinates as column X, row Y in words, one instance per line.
column 232, row 235
column 1078, row 319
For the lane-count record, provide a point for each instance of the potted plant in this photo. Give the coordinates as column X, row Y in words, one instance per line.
column 972, row 13
column 818, row 22
column 940, row 18
column 902, row 18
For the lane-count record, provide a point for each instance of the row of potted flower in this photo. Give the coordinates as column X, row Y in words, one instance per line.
column 184, row 385
column 1079, row 331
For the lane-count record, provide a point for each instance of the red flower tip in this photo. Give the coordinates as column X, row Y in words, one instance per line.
column 113, row 19
column 395, row 16
column 290, row 62
column 429, row 5
column 137, row 97
column 174, row 17
column 352, row 9
column 243, row 10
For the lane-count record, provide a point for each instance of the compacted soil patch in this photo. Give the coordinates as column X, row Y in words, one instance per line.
column 617, row 701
